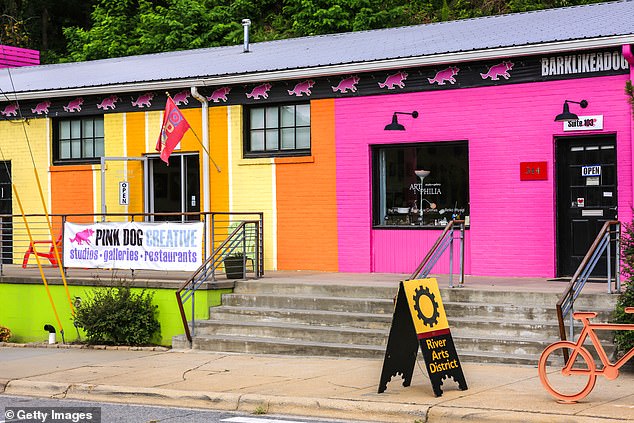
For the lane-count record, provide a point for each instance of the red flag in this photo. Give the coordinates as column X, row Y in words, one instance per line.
column 172, row 131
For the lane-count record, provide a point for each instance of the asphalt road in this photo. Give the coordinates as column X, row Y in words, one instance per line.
column 124, row 413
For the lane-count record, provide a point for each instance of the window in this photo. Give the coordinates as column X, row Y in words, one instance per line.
column 78, row 140
column 278, row 130
column 406, row 197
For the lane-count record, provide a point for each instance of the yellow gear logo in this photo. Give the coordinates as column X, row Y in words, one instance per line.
column 431, row 320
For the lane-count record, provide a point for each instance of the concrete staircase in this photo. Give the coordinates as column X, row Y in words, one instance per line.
column 350, row 320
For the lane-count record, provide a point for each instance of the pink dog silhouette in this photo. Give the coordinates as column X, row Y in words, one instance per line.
column 82, row 236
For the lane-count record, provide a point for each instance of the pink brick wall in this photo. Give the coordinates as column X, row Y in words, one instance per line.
column 512, row 221
column 11, row 57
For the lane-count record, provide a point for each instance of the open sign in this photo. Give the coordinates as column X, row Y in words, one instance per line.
column 594, row 170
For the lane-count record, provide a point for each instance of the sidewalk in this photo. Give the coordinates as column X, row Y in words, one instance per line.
column 309, row 386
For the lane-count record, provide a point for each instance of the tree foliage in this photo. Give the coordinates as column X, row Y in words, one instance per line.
column 624, row 340
column 74, row 30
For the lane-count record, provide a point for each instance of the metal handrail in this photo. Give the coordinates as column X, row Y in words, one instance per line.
column 235, row 243
column 444, row 241
column 600, row 245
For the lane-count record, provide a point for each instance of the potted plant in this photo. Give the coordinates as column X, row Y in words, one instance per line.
column 234, row 266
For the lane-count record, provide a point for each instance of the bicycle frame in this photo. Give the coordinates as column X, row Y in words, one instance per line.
column 610, row 370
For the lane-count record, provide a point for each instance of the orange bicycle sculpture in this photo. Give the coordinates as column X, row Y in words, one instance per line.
column 578, row 375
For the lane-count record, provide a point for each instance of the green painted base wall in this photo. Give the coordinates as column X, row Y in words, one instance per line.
column 25, row 309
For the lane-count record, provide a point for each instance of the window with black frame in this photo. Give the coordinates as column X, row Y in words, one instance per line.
column 278, row 130
column 420, row 185
column 79, row 140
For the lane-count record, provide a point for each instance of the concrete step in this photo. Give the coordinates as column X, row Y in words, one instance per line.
column 309, row 317
column 315, row 289
column 255, row 345
column 465, row 294
column 353, row 305
column 386, row 307
column 293, row 331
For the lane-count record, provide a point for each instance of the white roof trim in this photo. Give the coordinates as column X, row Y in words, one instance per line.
column 403, row 62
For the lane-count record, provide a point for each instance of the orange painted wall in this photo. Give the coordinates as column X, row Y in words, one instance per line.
column 219, row 181
column 72, row 191
column 307, row 199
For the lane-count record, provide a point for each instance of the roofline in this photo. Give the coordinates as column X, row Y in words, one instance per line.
column 329, row 70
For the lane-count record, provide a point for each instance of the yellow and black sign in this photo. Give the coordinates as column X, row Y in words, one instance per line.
column 420, row 320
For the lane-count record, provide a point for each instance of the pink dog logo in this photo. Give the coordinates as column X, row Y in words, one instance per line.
column 144, row 100
column 108, row 103
column 74, row 105
column 445, row 75
column 260, row 91
column 220, row 95
column 302, row 88
column 501, row 69
column 42, row 108
column 347, row 84
column 82, row 236
column 395, row 80
column 181, row 97
column 11, row 110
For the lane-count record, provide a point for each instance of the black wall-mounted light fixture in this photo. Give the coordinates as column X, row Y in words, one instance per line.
column 566, row 115
column 395, row 126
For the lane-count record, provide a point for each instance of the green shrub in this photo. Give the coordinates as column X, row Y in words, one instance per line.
column 5, row 334
column 624, row 339
column 118, row 316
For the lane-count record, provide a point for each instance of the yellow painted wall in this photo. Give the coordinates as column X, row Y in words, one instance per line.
column 116, row 171
column 135, row 128
column 26, row 146
column 253, row 187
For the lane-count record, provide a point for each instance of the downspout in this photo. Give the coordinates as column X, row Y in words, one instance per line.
column 628, row 53
column 206, row 185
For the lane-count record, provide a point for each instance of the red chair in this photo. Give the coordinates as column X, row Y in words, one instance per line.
column 50, row 255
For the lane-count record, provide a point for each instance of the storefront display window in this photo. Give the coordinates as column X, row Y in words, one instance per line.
column 420, row 185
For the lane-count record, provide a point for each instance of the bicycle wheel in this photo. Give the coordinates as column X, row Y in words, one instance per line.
column 567, row 386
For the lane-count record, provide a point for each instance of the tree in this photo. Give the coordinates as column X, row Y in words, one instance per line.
column 73, row 30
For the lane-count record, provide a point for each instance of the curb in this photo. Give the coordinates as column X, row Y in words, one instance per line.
column 82, row 346
column 299, row 406
column 246, row 403
column 443, row 414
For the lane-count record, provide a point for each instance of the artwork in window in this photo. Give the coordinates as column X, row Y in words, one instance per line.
column 420, row 185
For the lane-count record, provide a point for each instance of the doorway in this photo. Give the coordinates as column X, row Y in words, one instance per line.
column 175, row 188
column 6, row 210
column 586, row 197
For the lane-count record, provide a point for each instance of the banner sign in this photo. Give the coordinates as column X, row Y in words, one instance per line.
column 420, row 320
column 134, row 245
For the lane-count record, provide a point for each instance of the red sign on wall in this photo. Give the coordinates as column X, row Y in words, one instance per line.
column 533, row 171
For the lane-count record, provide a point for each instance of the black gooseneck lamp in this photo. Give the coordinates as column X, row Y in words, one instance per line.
column 566, row 115
column 395, row 126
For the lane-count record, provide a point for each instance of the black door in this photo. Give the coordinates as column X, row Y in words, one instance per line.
column 175, row 188
column 6, row 209
column 586, row 197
